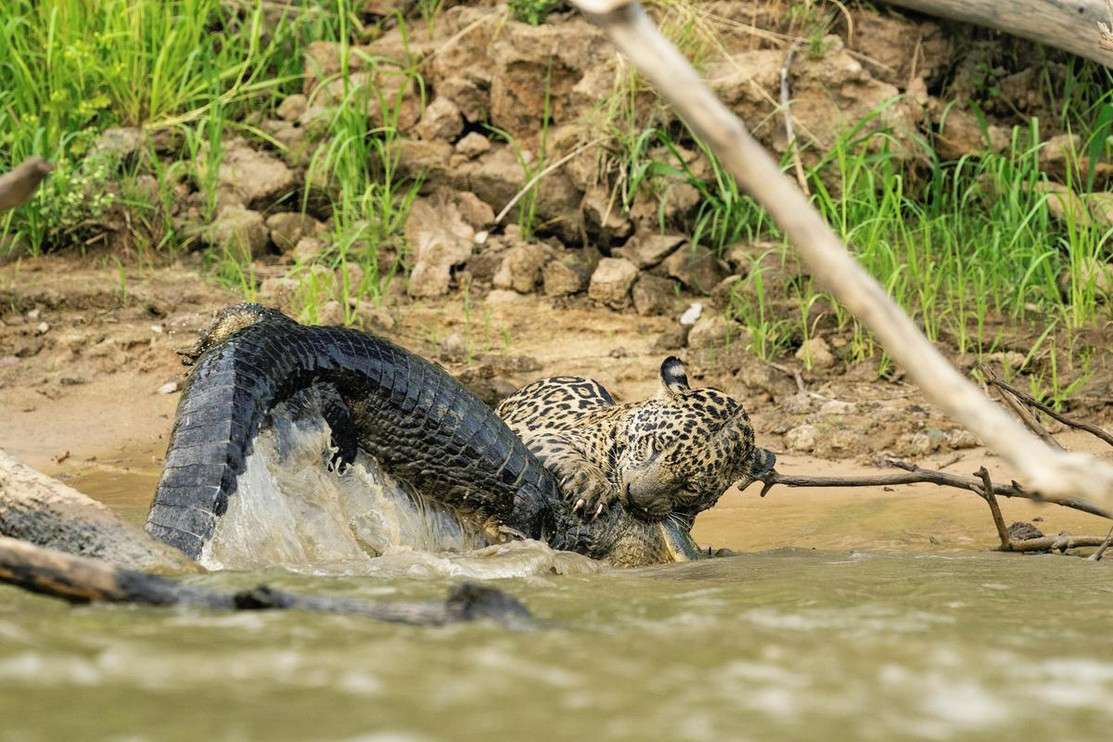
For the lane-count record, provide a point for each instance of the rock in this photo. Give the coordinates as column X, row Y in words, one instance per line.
column 373, row 317
column 838, row 407
column 119, row 143
column 673, row 338
column 536, row 67
column 611, row 282
column 1091, row 271
column 453, row 348
column 441, row 120
column 238, row 228
column 308, row 249
column 502, row 296
column 42, row 328
column 472, row 145
column 724, row 290
column 471, row 93
column 960, row 135
column 287, row 228
column 691, row 314
column 648, row 250
column 695, row 267
column 521, row 268
column 802, row 438
column 816, row 353
column 168, row 388
column 709, row 331
column 440, row 239
column 384, row 8
column 798, row 404
column 292, row 107
column 279, row 291
column 258, row 179
column 960, row 439
column 894, row 49
column 603, row 216
column 562, row 279
column 476, row 212
column 331, row 314
column 654, row 295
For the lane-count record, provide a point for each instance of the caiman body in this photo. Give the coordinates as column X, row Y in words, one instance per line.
column 422, row 425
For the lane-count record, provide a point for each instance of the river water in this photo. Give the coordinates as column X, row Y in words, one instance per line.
column 786, row 644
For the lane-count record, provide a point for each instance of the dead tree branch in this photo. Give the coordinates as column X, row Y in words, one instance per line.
column 990, row 497
column 81, row 580
column 1097, row 555
column 913, row 474
column 1051, row 412
column 1058, row 475
column 1075, row 26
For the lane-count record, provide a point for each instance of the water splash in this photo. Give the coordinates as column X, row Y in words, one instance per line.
column 293, row 508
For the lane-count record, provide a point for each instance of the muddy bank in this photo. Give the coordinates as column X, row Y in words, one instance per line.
column 90, row 400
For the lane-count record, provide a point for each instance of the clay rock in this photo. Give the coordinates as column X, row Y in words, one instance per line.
column 886, row 40
column 308, row 249
column 816, row 353
column 611, row 282
column 477, row 213
column 441, row 120
column 960, row 134
column 530, row 63
column 602, row 216
column 695, row 267
column 440, row 239
column 472, row 145
column 709, row 331
column 258, row 179
column 287, row 228
column 563, row 279
column 279, row 291
column 292, row 107
column 648, row 250
column 239, row 229
column 1091, row 272
column 654, row 295
column 521, row 268
column 802, row 438
column 119, row 143
column 471, row 94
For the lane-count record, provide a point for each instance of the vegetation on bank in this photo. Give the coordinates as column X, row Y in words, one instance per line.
column 960, row 244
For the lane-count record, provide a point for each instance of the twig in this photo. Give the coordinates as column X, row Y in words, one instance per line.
column 913, row 474
column 794, row 373
column 1059, row 475
column 990, row 497
column 533, row 181
column 1028, row 418
column 1097, row 555
column 1028, row 399
column 786, row 106
column 81, row 580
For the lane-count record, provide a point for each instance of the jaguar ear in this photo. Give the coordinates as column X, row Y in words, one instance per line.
column 674, row 379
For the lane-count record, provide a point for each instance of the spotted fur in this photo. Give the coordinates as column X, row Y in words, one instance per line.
column 675, row 453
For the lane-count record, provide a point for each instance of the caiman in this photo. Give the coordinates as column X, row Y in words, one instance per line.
column 423, row 426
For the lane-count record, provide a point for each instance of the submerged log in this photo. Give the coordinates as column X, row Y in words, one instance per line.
column 82, row 580
column 45, row 512
column 1071, row 25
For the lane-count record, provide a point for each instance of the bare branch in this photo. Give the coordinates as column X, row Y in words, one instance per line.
column 1051, row 412
column 995, row 509
column 913, row 474
column 1097, row 555
column 786, row 107
column 1059, row 475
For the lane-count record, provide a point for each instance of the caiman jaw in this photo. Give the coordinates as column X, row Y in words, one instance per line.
column 678, row 543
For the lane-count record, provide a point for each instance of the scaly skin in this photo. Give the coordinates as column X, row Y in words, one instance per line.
column 419, row 422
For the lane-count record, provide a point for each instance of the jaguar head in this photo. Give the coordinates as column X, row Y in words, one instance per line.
column 685, row 448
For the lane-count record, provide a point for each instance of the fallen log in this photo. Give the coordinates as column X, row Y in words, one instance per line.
column 47, row 513
column 83, row 580
column 1071, row 25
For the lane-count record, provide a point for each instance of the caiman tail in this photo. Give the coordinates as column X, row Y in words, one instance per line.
column 420, row 423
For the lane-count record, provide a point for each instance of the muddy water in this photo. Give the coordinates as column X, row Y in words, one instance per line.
column 925, row 636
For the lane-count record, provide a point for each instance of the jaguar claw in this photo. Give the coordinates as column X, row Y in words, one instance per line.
column 598, row 511
column 580, row 504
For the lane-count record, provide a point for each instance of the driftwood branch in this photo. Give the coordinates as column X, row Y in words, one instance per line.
column 1051, row 412
column 912, row 474
column 1058, row 475
column 47, row 513
column 1097, row 555
column 1076, row 26
column 82, row 580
